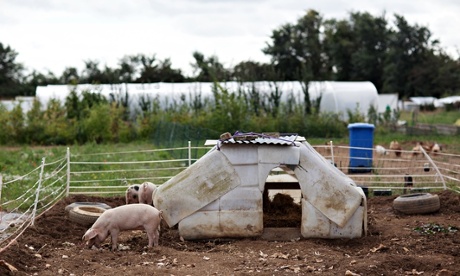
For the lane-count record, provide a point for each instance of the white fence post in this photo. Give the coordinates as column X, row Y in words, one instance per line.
column 68, row 172
column 189, row 153
column 37, row 194
column 435, row 167
column 332, row 152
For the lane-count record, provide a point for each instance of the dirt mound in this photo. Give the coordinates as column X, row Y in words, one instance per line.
column 396, row 244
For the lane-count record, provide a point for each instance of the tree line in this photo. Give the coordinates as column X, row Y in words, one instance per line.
column 397, row 58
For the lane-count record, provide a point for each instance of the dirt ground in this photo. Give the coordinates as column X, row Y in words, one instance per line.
column 396, row 244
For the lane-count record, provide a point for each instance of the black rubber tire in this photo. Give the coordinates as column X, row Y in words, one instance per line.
column 75, row 204
column 421, row 203
column 85, row 215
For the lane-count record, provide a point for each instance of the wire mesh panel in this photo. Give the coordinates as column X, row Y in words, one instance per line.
column 25, row 197
column 111, row 173
column 412, row 171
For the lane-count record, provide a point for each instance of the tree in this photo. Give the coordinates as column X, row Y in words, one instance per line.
column 29, row 84
column 309, row 46
column 148, row 71
column 410, row 48
column 129, row 68
column 252, row 71
column 209, row 69
column 110, row 75
column 283, row 55
column 92, row 74
column 167, row 74
column 368, row 57
column 10, row 73
column 298, row 52
column 298, row 49
column 36, row 78
column 448, row 77
column 70, row 76
column 161, row 71
column 339, row 46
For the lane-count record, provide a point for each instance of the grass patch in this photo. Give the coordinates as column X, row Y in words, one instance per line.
column 434, row 228
column 431, row 117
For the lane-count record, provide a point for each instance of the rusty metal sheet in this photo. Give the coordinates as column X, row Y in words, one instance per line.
column 200, row 184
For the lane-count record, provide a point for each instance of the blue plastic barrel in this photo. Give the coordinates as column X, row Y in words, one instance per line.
column 361, row 147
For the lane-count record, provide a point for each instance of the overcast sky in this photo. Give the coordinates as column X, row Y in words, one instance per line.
column 55, row 34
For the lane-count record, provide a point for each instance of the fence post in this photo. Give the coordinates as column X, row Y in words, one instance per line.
column 435, row 167
column 332, row 152
column 38, row 190
column 68, row 172
column 189, row 153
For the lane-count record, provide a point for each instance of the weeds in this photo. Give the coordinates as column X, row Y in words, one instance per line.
column 433, row 228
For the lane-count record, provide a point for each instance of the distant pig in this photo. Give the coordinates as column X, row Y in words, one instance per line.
column 146, row 190
column 122, row 218
column 132, row 194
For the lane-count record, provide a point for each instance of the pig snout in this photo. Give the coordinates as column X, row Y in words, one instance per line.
column 146, row 190
column 94, row 236
column 123, row 218
column 132, row 194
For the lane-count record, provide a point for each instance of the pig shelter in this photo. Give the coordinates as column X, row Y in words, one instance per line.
column 221, row 194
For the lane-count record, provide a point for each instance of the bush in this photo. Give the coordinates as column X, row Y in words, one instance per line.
column 89, row 117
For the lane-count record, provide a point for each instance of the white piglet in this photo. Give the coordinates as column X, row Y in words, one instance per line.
column 146, row 190
column 122, row 218
column 132, row 194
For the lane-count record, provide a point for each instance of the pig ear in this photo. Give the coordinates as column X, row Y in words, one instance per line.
column 90, row 234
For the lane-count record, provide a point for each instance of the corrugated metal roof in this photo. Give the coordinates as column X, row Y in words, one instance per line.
column 257, row 138
column 265, row 140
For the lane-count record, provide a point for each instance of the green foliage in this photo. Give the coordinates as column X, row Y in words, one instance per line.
column 91, row 118
column 229, row 110
column 10, row 72
column 434, row 228
column 373, row 116
column 16, row 123
column 97, row 125
column 435, row 117
column 325, row 125
column 355, row 116
column 209, row 69
column 4, row 118
column 34, row 132
column 58, row 130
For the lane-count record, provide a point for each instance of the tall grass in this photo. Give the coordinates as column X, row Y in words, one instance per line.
column 431, row 117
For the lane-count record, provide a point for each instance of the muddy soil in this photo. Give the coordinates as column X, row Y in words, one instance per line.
column 396, row 244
